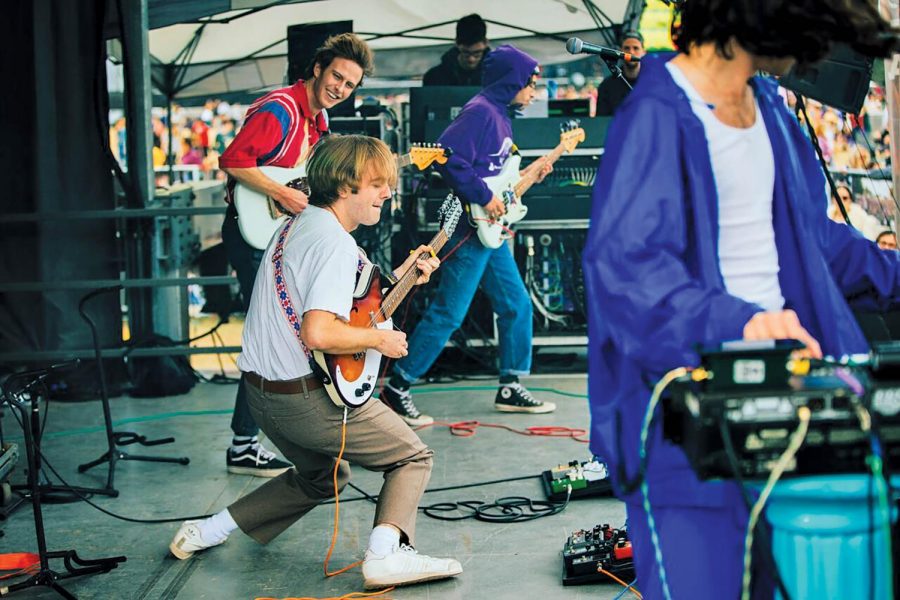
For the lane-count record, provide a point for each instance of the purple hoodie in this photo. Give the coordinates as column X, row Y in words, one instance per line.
column 481, row 135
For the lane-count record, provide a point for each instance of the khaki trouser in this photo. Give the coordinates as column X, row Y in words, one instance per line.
column 307, row 430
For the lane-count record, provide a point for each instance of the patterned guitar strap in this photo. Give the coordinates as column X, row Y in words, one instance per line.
column 284, row 297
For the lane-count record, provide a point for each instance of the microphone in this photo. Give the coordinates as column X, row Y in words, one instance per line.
column 577, row 46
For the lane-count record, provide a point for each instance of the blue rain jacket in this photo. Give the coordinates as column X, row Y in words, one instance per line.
column 652, row 276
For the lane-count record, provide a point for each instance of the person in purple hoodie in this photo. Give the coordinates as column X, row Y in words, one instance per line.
column 481, row 138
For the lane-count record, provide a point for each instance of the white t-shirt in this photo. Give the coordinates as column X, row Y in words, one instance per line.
column 743, row 167
column 320, row 265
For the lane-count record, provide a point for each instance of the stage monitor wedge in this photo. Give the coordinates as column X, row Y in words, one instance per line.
column 303, row 41
column 840, row 80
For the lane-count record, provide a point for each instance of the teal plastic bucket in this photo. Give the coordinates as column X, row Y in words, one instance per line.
column 828, row 540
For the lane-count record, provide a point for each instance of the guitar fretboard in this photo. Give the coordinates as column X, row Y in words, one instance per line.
column 406, row 282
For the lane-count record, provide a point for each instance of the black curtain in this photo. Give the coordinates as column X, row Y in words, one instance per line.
column 54, row 158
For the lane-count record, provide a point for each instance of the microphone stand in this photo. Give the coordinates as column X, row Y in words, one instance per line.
column 75, row 566
column 616, row 71
column 115, row 439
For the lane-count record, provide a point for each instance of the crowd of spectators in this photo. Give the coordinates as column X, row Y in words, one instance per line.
column 853, row 145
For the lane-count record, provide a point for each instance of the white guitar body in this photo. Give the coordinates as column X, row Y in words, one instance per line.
column 259, row 217
column 493, row 233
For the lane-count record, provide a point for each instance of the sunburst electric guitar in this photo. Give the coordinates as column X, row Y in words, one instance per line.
column 509, row 186
column 350, row 379
column 260, row 216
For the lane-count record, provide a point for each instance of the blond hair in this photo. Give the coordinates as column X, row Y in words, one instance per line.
column 340, row 162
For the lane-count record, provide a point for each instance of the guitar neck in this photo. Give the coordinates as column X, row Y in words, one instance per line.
column 406, row 282
column 526, row 182
column 404, row 160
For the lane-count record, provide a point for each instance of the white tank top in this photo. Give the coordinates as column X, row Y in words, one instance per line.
column 743, row 167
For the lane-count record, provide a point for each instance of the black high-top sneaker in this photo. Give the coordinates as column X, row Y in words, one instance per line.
column 513, row 397
column 400, row 401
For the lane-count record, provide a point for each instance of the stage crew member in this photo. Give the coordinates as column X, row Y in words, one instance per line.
column 719, row 233
column 279, row 130
column 613, row 90
column 481, row 139
column 311, row 273
column 462, row 64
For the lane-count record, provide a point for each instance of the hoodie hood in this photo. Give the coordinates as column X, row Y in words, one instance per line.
column 506, row 71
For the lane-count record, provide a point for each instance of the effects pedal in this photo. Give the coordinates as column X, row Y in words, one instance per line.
column 589, row 550
column 589, row 478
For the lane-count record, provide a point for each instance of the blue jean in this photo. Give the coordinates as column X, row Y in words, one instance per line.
column 245, row 259
column 470, row 265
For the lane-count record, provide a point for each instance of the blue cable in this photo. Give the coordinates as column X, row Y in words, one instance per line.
column 622, row 593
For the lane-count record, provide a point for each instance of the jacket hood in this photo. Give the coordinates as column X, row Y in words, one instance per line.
column 506, row 71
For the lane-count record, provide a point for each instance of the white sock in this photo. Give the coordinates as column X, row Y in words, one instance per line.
column 384, row 540
column 241, row 442
column 218, row 527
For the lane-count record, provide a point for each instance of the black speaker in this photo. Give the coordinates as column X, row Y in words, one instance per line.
column 840, row 80
column 303, row 41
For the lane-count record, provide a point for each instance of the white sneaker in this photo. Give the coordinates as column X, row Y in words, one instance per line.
column 405, row 566
column 188, row 540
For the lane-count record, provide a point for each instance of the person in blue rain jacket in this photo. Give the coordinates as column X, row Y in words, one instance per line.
column 708, row 224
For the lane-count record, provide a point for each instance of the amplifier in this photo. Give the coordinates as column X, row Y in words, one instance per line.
column 760, row 420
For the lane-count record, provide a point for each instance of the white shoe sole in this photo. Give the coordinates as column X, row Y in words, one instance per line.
column 532, row 410
column 255, row 472
column 408, row 579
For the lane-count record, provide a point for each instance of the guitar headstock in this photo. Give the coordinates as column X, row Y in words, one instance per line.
column 424, row 155
column 571, row 134
column 449, row 214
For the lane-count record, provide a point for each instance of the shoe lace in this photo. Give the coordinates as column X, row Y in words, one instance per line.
column 263, row 454
column 410, row 408
column 406, row 403
column 522, row 392
column 407, row 549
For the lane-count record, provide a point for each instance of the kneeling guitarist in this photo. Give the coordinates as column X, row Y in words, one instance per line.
column 302, row 302
column 279, row 130
column 481, row 138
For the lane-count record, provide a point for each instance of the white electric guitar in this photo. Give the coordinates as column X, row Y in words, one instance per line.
column 509, row 186
column 260, row 216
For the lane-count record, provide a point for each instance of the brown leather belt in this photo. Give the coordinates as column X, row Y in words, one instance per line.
column 295, row 386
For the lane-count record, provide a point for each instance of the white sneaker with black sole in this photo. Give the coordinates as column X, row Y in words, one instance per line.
column 400, row 401
column 405, row 566
column 255, row 460
column 513, row 397
column 188, row 540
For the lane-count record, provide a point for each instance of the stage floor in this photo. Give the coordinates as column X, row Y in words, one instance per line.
column 520, row 560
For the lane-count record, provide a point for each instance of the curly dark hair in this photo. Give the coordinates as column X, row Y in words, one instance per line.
column 802, row 29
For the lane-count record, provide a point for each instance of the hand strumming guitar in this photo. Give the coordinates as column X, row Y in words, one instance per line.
column 293, row 201
column 391, row 343
column 495, row 208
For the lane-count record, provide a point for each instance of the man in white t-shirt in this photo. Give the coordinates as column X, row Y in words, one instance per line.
column 305, row 284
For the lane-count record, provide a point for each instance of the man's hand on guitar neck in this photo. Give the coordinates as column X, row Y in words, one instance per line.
column 426, row 265
column 539, row 169
column 293, row 201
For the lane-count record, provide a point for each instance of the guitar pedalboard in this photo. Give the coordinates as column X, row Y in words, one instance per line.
column 586, row 479
column 589, row 550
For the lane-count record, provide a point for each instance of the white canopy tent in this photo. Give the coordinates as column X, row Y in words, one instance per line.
column 245, row 47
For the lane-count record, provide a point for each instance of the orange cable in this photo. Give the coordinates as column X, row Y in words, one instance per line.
column 630, row 588
column 337, row 507
column 468, row 429
column 334, row 537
